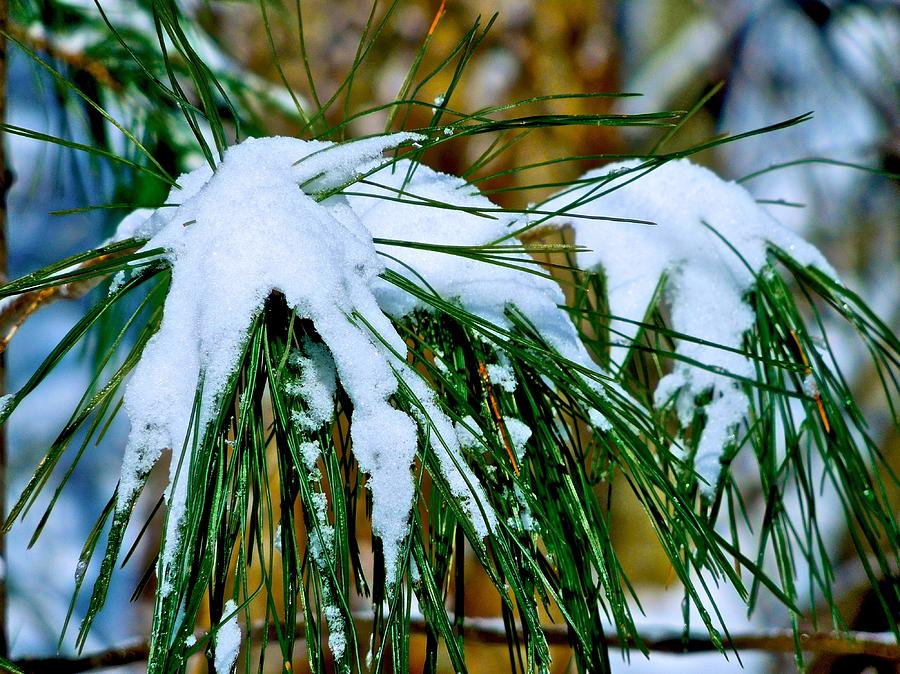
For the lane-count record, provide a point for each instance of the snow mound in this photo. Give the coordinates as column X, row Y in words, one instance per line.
column 706, row 282
column 443, row 210
column 236, row 236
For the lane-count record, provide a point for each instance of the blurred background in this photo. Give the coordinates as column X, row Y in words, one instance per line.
column 776, row 59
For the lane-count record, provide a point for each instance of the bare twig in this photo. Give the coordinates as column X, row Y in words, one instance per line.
column 492, row 631
column 114, row 657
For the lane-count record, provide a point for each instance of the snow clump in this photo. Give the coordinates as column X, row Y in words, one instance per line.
column 706, row 282
column 413, row 203
column 264, row 222
column 236, row 236
column 228, row 640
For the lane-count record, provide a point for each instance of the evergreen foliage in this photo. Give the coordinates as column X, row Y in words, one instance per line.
column 258, row 508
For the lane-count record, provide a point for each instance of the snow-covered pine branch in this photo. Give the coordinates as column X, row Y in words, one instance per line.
column 252, row 228
column 708, row 244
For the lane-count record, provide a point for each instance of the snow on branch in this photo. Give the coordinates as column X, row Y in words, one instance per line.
column 708, row 244
column 255, row 226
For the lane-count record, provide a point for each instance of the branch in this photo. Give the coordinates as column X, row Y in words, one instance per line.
column 492, row 631
column 16, row 310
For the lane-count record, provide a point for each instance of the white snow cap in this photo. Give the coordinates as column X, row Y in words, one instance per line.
column 705, row 281
column 392, row 207
column 237, row 235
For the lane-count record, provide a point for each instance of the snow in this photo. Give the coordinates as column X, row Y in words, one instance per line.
column 706, row 283
column 264, row 221
column 526, row 520
column 233, row 237
column 310, row 451
column 810, row 387
column 228, row 640
column 442, row 439
column 321, row 544
column 118, row 280
column 502, row 374
column 599, row 421
column 337, row 639
column 483, row 289
column 519, row 434
column 321, row 547
column 5, row 402
column 315, row 385
column 467, row 432
column 479, row 287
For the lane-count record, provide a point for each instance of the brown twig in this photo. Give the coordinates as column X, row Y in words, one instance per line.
column 17, row 310
column 114, row 657
column 492, row 631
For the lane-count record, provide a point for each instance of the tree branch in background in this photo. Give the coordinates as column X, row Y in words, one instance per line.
column 492, row 631
column 16, row 310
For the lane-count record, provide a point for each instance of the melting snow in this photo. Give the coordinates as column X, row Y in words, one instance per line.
column 706, row 281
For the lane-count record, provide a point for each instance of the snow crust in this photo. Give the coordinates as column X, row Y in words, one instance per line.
column 706, row 282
